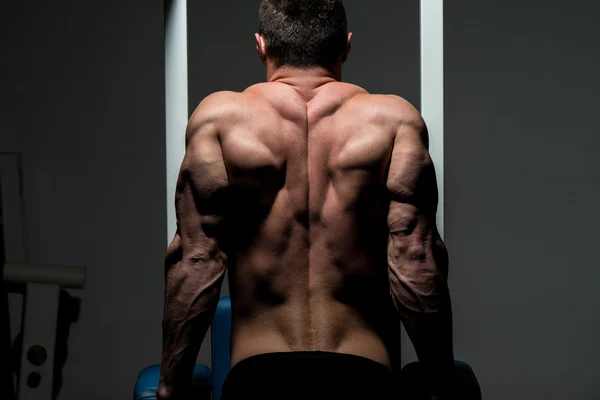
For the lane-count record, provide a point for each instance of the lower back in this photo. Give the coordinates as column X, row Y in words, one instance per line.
column 313, row 296
column 331, row 326
column 309, row 271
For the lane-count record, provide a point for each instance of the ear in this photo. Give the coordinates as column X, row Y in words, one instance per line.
column 348, row 47
column 261, row 48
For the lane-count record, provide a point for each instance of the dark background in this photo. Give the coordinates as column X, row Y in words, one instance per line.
column 82, row 98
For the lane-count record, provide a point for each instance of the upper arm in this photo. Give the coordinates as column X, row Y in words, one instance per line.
column 201, row 187
column 411, row 177
column 417, row 256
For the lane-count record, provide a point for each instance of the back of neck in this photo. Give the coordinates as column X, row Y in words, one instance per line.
column 306, row 81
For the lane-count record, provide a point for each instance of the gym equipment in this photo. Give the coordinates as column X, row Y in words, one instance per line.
column 147, row 381
column 39, row 353
column 40, row 316
column 207, row 381
column 465, row 385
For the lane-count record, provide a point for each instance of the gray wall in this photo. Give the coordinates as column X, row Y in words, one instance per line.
column 522, row 194
column 81, row 96
column 384, row 56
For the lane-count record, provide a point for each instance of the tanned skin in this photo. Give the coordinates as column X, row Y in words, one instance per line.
column 319, row 201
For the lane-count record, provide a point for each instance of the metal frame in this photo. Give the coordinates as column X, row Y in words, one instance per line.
column 42, row 283
column 40, row 315
column 176, row 98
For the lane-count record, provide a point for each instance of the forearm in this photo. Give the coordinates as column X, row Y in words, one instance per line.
column 190, row 304
column 418, row 266
column 429, row 326
column 431, row 335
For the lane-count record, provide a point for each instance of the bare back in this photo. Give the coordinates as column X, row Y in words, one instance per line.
column 319, row 200
column 306, row 219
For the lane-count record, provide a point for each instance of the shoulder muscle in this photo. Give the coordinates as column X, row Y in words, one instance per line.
column 411, row 175
column 214, row 111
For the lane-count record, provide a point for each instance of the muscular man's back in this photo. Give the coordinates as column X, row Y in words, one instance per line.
column 319, row 200
column 307, row 218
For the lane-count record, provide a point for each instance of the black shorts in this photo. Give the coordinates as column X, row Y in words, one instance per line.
column 308, row 375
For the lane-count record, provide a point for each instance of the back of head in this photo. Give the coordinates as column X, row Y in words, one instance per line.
column 303, row 33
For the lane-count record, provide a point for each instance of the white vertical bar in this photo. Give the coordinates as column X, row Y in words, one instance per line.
column 176, row 96
column 432, row 108
column 432, row 89
column 176, row 109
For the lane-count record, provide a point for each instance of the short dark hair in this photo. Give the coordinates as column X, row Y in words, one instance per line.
column 303, row 33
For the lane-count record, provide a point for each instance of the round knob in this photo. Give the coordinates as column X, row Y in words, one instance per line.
column 37, row 355
column 34, row 379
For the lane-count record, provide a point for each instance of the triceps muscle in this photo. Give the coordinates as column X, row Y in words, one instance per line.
column 196, row 262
